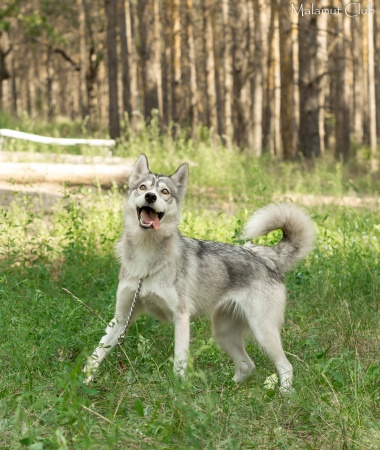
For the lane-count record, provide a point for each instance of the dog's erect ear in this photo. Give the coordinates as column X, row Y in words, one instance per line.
column 180, row 177
column 140, row 169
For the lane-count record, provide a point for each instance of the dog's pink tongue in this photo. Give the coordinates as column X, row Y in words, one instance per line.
column 151, row 217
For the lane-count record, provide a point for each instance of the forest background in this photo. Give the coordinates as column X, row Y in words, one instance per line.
column 276, row 77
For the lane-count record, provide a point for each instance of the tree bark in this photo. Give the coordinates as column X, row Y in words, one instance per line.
column 129, row 65
column 212, row 114
column 260, row 73
column 228, row 82
column 371, row 81
column 287, row 83
column 309, row 136
column 112, row 65
column 357, row 67
column 242, row 86
column 193, row 70
column 276, row 108
column 82, row 58
column 342, row 95
column 176, row 63
column 377, row 69
column 322, row 75
column 150, row 61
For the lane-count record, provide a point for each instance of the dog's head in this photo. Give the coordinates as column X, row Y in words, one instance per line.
column 154, row 199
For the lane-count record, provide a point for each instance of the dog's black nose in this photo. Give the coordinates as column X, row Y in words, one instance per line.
column 150, row 197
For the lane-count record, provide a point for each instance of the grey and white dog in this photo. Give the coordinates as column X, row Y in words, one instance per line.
column 240, row 288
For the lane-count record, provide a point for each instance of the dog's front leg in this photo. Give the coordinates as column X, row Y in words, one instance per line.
column 181, row 342
column 113, row 330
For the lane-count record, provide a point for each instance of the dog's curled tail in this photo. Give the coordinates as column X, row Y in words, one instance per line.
column 297, row 228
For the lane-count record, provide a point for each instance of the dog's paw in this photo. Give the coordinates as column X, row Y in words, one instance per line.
column 243, row 371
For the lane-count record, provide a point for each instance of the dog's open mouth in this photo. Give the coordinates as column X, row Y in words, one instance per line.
column 149, row 218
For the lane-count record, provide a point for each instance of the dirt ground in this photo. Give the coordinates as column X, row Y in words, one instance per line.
column 45, row 177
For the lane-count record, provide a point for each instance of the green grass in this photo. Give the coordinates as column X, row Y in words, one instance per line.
column 52, row 264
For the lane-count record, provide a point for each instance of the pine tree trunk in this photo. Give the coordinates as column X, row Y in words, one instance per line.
column 342, row 99
column 176, row 64
column 287, row 82
column 322, row 71
column 371, row 82
column 377, row 69
column 157, row 58
column 309, row 137
column 212, row 115
column 242, row 86
column 296, row 91
column 276, row 115
column 112, row 66
column 130, row 89
column 193, row 71
column 228, row 85
column 260, row 73
column 149, row 59
column 82, row 58
column 357, row 68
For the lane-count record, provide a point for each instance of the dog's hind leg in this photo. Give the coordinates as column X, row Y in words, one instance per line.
column 267, row 334
column 229, row 333
column 113, row 330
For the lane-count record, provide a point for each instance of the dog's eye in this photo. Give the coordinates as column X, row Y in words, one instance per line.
column 165, row 192
column 142, row 187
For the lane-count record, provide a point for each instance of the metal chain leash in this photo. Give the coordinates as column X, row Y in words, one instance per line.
column 122, row 335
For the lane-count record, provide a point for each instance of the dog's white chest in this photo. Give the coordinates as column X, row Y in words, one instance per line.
column 159, row 299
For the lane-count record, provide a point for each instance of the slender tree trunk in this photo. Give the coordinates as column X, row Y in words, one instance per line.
column 322, row 71
column 260, row 73
column 277, row 142
column 112, row 65
column 242, row 85
column 149, row 59
column 309, row 139
column 167, row 67
column 287, row 83
column 176, row 63
column 129, row 65
column 377, row 69
column 49, row 83
column 366, row 119
column 342, row 100
column 193, row 71
column 82, row 58
column 371, row 81
column 212, row 114
column 296, row 91
column 157, row 58
column 124, row 58
column 357, row 67
column 228, row 83
column 4, row 74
